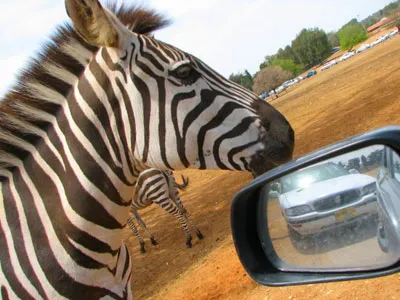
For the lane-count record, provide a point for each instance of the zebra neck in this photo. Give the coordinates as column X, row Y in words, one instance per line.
column 71, row 194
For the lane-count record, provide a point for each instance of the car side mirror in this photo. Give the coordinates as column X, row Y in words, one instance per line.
column 327, row 224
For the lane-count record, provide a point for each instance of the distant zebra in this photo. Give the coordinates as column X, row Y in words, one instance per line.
column 102, row 102
column 168, row 186
column 160, row 187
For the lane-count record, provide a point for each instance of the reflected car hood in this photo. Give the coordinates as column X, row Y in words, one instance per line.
column 324, row 189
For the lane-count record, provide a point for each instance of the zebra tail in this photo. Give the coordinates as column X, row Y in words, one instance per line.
column 184, row 184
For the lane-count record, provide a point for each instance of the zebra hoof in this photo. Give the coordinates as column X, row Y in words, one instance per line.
column 154, row 242
column 142, row 250
column 189, row 243
column 200, row 235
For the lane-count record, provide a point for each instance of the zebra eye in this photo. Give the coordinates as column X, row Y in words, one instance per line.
column 186, row 74
column 183, row 72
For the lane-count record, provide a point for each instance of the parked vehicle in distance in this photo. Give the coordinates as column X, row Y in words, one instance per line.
column 329, row 64
column 311, row 73
column 287, row 83
column 293, row 82
column 374, row 43
column 393, row 33
column 347, row 56
column 326, row 66
column 290, row 82
column 271, row 93
column 263, row 95
column 377, row 41
column 280, row 89
column 385, row 37
column 363, row 47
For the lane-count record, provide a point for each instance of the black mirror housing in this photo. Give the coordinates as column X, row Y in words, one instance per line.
column 259, row 263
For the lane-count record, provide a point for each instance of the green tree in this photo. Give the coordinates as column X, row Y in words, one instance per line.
column 287, row 53
column 267, row 61
column 351, row 22
column 288, row 65
column 243, row 78
column 311, row 47
column 350, row 35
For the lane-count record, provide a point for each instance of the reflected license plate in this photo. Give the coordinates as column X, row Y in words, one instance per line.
column 342, row 214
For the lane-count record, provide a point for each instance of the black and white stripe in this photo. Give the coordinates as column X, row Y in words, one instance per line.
column 160, row 187
column 88, row 115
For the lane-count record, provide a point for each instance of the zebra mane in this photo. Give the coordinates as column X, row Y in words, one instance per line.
column 40, row 88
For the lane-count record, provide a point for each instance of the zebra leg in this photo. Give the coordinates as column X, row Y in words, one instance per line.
column 143, row 225
column 137, row 234
column 177, row 200
column 198, row 232
column 177, row 213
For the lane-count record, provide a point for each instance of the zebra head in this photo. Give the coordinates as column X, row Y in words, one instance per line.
column 181, row 112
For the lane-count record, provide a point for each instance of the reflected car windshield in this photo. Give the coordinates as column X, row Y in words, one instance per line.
column 304, row 178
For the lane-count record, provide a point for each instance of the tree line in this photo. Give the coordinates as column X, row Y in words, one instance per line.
column 311, row 47
column 363, row 163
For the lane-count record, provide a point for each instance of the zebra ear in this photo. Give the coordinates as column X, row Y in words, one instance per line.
column 96, row 25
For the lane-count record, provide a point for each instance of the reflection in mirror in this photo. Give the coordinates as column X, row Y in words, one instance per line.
column 338, row 215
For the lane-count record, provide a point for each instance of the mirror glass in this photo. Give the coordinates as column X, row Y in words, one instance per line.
column 341, row 214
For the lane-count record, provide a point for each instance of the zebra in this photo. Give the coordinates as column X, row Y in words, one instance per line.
column 173, row 188
column 100, row 103
column 160, row 187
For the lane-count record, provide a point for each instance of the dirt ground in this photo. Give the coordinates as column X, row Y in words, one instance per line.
column 358, row 95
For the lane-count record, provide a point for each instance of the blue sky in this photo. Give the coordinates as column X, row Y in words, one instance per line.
column 229, row 35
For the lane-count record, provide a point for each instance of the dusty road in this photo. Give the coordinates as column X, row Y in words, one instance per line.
column 358, row 95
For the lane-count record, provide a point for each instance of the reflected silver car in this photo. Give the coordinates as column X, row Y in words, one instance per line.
column 325, row 196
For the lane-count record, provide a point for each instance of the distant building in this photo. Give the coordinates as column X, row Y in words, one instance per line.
column 384, row 21
column 378, row 25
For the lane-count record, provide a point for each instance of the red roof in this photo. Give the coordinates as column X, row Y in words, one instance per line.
column 376, row 26
column 382, row 22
